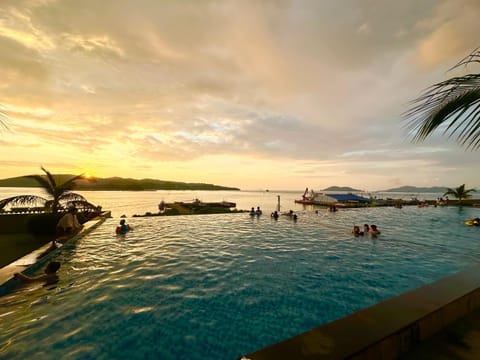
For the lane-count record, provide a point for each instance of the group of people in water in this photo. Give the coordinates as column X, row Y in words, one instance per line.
column 290, row 214
column 274, row 215
column 69, row 225
column 367, row 230
column 254, row 212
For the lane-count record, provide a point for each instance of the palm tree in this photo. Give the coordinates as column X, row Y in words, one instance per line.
column 455, row 103
column 60, row 192
column 459, row 193
column 3, row 120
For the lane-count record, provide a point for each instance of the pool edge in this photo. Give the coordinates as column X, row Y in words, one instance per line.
column 387, row 329
column 8, row 282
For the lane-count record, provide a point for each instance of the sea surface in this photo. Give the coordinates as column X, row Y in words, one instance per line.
column 139, row 202
column 223, row 285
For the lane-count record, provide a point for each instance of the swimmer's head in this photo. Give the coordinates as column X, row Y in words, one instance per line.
column 52, row 267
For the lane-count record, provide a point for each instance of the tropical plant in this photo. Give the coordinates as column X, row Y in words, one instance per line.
column 454, row 103
column 3, row 120
column 32, row 201
column 59, row 192
column 459, row 193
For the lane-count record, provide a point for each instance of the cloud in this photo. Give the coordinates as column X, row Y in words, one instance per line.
column 318, row 84
column 450, row 30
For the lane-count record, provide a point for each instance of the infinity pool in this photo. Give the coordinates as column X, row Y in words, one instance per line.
column 219, row 286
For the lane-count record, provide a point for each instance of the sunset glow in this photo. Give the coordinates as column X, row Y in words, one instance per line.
column 255, row 95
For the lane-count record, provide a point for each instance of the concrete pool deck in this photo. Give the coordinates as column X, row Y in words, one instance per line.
column 434, row 321
column 31, row 262
column 461, row 340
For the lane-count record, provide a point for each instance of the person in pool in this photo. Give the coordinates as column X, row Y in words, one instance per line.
column 366, row 229
column 123, row 228
column 49, row 277
column 356, row 231
column 374, row 231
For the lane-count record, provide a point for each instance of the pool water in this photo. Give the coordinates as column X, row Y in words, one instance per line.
column 219, row 286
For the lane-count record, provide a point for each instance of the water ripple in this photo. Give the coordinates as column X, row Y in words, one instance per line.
column 217, row 286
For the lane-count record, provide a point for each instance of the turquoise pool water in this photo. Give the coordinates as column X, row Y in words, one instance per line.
column 219, row 286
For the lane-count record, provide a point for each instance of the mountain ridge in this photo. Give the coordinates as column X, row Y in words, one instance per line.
column 116, row 184
column 414, row 189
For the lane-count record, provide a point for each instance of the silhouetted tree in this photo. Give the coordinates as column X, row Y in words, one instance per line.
column 460, row 193
column 59, row 192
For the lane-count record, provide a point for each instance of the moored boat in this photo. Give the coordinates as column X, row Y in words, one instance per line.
column 339, row 200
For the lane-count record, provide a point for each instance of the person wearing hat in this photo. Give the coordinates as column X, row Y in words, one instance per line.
column 68, row 224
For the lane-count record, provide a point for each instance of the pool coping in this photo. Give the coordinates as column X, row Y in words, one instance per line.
column 31, row 262
column 387, row 329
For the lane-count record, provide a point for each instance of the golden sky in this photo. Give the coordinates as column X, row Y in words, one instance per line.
column 272, row 94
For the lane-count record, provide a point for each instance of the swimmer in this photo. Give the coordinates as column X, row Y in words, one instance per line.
column 123, row 228
column 50, row 276
column 366, row 229
column 374, row 231
column 356, row 231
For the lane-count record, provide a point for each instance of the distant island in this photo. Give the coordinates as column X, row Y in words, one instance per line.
column 117, row 184
column 341, row 188
column 415, row 189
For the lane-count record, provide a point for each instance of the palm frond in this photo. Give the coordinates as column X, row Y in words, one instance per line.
column 43, row 182
column 70, row 183
column 23, row 200
column 4, row 120
column 474, row 56
column 83, row 205
column 50, row 177
column 455, row 103
column 71, row 196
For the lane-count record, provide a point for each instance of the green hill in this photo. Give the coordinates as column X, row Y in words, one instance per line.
column 116, row 183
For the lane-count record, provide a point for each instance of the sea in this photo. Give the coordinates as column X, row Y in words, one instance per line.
column 129, row 203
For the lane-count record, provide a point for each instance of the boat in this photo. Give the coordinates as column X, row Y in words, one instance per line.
column 197, row 203
column 225, row 204
column 195, row 206
column 339, row 200
column 308, row 198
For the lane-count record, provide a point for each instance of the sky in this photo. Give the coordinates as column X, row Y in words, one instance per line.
column 254, row 94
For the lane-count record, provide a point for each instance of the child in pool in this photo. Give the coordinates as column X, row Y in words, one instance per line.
column 123, row 228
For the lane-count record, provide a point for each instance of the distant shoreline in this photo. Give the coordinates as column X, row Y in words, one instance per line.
column 116, row 184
